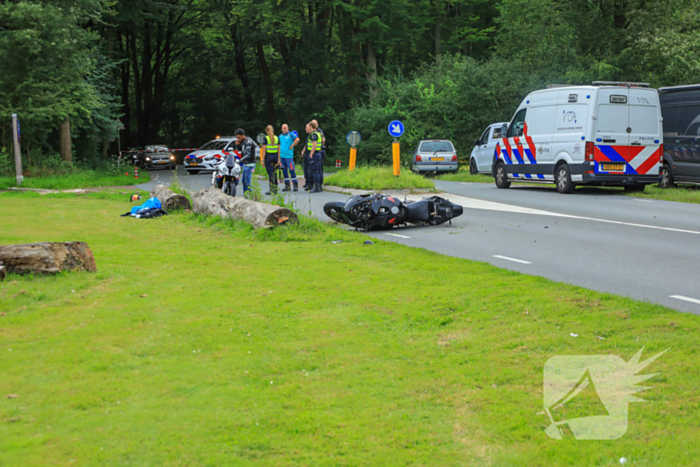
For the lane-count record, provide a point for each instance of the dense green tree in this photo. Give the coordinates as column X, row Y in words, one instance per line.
column 181, row 71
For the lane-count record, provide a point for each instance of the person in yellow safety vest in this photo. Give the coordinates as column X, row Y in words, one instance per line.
column 271, row 156
column 313, row 149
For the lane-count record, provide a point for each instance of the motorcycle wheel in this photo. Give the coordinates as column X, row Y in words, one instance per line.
column 229, row 188
column 334, row 210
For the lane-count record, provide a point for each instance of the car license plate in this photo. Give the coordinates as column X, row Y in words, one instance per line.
column 614, row 167
column 439, row 159
column 194, row 163
column 162, row 162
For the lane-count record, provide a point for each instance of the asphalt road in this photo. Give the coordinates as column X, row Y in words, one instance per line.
column 644, row 249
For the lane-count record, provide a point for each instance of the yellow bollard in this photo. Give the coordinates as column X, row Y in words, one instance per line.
column 397, row 158
column 353, row 158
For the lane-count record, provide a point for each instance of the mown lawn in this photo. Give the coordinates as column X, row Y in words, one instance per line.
column 83, row 179
column 203, row 343
column 378, row 178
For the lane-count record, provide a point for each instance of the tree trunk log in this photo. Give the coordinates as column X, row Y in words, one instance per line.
column 47, row 257
column 169, row 199
column 66, row 143
column 213, row 202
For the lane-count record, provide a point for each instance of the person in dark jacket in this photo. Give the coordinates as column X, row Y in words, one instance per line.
column 246, row 147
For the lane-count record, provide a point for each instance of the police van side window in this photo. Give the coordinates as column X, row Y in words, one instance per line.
column 689, row 120
column 517, row 126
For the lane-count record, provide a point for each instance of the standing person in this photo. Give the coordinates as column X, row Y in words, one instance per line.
column 271, row 155
column 313, row 148
column 287, row 142
column 308, row 183
column 323, row 149
column 246, row 147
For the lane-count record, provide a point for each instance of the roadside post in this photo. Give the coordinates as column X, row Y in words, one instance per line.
column 396, row 129
column 353, row 138
column 16, row 138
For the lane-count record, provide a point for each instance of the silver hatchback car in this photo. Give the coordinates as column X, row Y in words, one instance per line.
column 435, row 155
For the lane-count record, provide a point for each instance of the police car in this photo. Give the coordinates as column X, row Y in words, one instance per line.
column 481, row 159
column 609, row 133
column 207, row 157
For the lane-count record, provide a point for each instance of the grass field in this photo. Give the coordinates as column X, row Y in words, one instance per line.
column 200, row 342
column 378, row 178
column 86, row 179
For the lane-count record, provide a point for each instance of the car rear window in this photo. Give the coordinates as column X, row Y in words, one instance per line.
column 436, row 146
column 214, row 145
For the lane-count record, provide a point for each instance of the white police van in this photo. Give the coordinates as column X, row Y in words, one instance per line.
column 606, row 134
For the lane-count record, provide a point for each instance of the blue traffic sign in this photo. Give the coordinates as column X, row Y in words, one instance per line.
column 396, row 128
column 353, row 138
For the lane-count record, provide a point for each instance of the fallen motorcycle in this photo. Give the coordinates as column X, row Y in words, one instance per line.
column 377, row 211
column 226, row 175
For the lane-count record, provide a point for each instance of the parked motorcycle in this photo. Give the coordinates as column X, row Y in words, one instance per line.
column 227, row 174
column 377, row 211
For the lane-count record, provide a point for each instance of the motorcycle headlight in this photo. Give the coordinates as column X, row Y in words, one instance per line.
column 148, row 158
column 172, row 158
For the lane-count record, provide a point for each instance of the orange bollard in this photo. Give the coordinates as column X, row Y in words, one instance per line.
column 396, row 149
column 136, row 172
column 353, row 157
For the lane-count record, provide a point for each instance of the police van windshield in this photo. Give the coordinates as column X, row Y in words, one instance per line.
column 436, row 146
column 214, row 145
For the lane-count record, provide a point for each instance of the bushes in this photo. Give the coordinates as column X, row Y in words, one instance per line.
column 454, row 98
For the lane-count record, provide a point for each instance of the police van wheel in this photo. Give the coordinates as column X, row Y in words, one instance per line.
column 666, row 177
column 562, row 178
column 472, row 167
column 501, row 176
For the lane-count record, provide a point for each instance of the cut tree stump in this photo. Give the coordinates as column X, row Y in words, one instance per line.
column 214, row 202
column 169, row 199
column 47, row 258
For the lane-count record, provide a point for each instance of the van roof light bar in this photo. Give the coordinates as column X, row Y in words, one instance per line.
column 629, row 84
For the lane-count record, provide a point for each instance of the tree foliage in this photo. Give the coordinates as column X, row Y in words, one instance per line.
column 181, row 71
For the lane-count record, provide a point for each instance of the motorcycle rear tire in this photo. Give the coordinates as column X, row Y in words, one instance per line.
column 334, row 209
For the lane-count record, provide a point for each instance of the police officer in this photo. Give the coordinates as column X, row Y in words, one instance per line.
column 271, row 155
column 323, row 150
column 313, row 148
column 246, row 147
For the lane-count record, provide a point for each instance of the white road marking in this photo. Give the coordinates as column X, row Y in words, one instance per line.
column 396, row 235
column 512, row 259
column 473, row 203
column 686, row 299
column 643, row 200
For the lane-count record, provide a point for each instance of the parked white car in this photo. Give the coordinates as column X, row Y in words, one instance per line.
column 484, row 152
column 206, row 158
column 606, row 134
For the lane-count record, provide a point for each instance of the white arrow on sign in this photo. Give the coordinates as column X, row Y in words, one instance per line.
column 395, row 129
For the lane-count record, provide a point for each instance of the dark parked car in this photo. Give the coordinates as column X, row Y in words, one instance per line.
column 158, row 156
column 680, row 107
